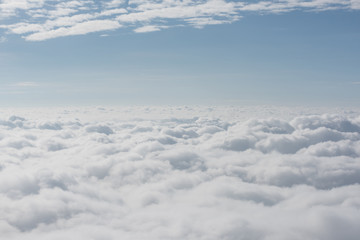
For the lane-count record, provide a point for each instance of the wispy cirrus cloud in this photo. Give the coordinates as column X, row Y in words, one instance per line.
column 44, row 19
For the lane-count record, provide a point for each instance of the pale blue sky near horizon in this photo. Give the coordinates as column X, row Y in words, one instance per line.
column 296, row 57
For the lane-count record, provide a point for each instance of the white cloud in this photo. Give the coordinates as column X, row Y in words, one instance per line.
column 113, row 12
column 179, row 173
column 10, row 7
column 150, row 28
column 355, row 4
column 204, row 21
column 114, row 3
column 77, row 29
column 41, row 20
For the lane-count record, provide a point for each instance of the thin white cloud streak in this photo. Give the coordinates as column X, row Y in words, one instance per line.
column 179, row 173
column 25, row 84
column 44, row 20
column 145, row 29
column 77, row 29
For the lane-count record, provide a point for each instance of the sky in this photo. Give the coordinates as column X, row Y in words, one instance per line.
column 212, row 52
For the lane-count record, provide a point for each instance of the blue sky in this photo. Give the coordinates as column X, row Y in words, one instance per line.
column 179, row 52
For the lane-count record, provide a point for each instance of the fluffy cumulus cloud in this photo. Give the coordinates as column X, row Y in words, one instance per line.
column 37, row 20
column 179, row 173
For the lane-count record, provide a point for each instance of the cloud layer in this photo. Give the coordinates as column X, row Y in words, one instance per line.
column 179, row 173
column 40, row 20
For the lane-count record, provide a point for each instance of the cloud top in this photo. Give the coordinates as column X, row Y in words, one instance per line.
column 45, row 19
column 179, row 173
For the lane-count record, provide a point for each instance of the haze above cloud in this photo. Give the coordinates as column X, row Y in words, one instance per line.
column 47, row 19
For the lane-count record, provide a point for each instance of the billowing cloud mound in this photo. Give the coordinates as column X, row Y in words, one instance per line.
column 179, row 173
column 38, row 20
